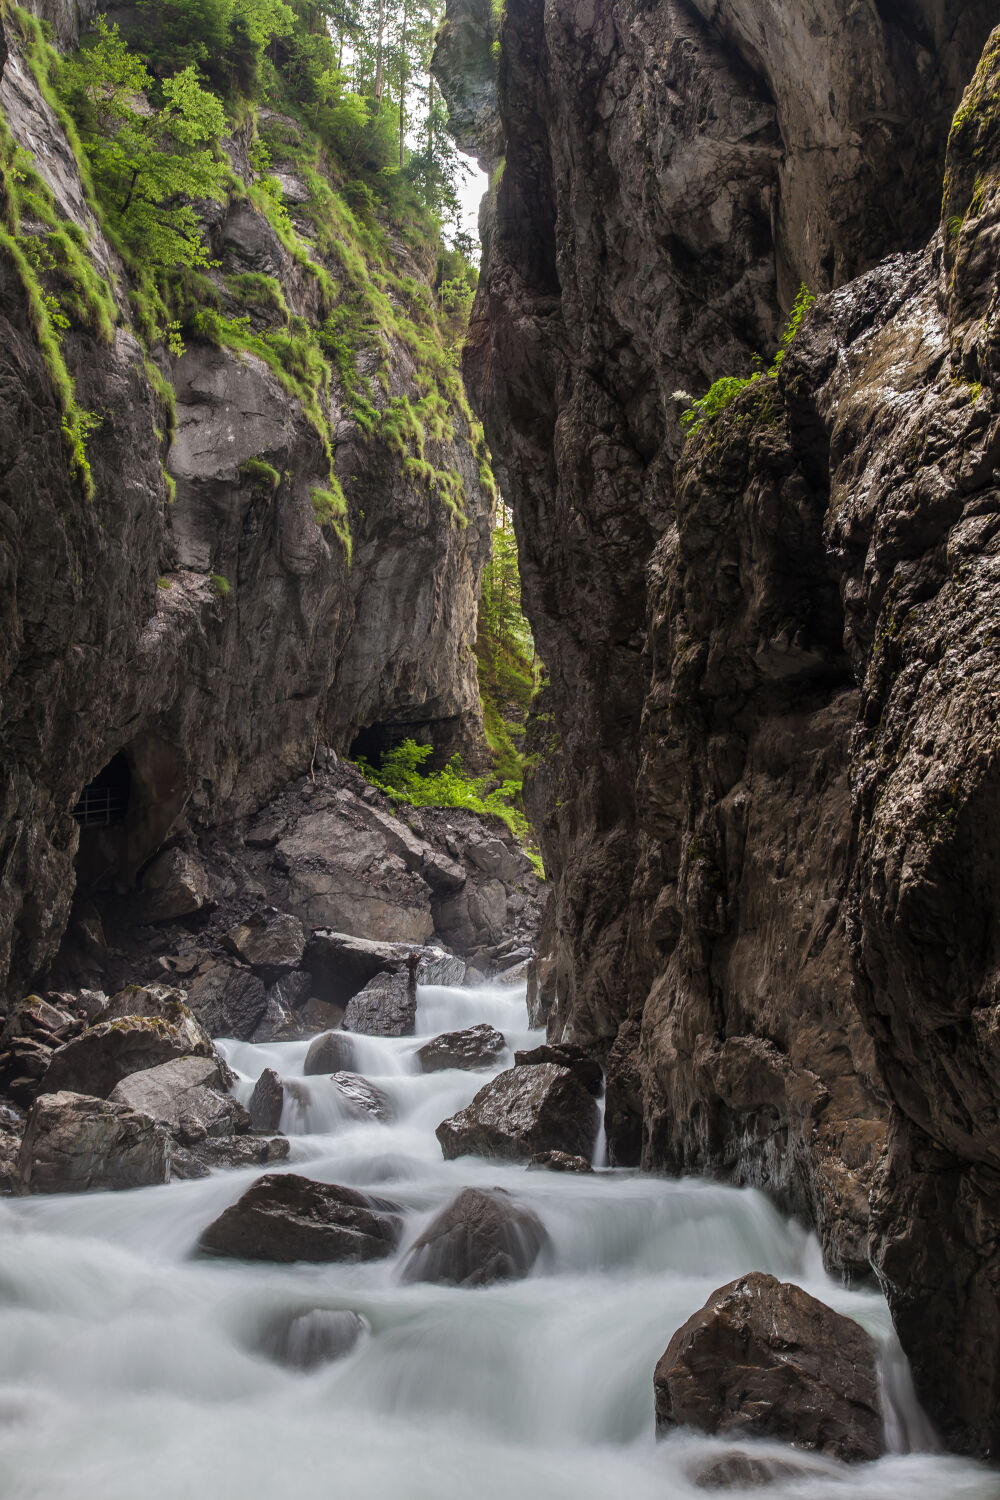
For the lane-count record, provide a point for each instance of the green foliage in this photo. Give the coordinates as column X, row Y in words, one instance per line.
column 330, row 509
column 403, row 778
column 260, row 474
column 723, row 392
column 221, row 585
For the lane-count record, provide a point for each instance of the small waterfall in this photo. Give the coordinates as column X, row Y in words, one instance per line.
column 129, row 1365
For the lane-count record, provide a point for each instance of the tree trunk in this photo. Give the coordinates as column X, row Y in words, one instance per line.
column 379, row 83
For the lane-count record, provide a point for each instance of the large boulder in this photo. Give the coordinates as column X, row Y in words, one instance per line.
column 387, row 1006
column 763, row 1358
column 481, row 1237
column 342, row 965
column 186, row 1096
column 566, row 1055
column 271, row 942
column 284, row 1217
column 333, row 1052
column 74, row 1143
column 109, row 1051
column 228, row 1152
column 522, row 1112
column 228, row 1000
column 475, row 1047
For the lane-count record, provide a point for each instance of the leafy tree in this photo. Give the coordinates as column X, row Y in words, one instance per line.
column 148, row 162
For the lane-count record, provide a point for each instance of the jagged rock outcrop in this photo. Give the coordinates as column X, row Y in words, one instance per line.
column 522, row 1112
column 199, row 648
column 766, row 782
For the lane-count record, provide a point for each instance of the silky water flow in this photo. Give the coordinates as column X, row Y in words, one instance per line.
column 133, row 1369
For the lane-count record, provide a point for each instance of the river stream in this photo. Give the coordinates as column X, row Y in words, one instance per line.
column 131, row 1368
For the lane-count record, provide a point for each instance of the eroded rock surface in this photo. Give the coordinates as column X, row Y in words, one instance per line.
column 476, row 1047
column 522, row 1112
column 387, row 1006
column 481, row 1237
column 187, row 1097
column 74, row 1143
column 762, row 1357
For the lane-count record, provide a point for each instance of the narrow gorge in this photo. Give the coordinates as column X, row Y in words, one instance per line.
column 441, row 1046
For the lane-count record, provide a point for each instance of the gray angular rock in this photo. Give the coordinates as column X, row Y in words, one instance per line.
column 187, row 1097
column 475, row 1047
column 482, row 1236
column 228, row 1000
column 387, row 1006
column 271, row 943
column 225, row 1152
column 174, row 885
column 109, row 1051
column 764, row 1358
column 74, row 1143
column 522, row 1112
column 287, row 1218
column 558, row 1161
column 333, row 1052
column 267, row 1101
column 362, row 1097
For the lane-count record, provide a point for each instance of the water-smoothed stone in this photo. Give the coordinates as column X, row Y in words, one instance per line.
column 306, row 1339
column 558, row 1161
column 387, row 1006
column 474, row 1047
column 362, row 1098
column 74, row 1143
column 764, row 1358
column 333, row 1052
column 565, row 1055
column 745, row 1471
column 481, row 1237
column 267, row 1101
column 187, row 1096
column 271, row 942
column 284, row 1217
column 522, row 1112
column 109, row 1051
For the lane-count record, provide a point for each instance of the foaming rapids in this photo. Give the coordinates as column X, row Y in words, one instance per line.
column 129, row 1365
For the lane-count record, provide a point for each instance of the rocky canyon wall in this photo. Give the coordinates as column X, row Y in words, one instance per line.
column 767, row 782
column 197, row 624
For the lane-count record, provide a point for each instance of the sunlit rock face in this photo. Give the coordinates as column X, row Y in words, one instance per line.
column 765, row 784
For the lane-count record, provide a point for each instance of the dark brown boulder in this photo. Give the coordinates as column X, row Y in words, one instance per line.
column 228, row 1000
column 333, row 1052
column 475, row 1047
column 284, row 1217
column 522, row 1112
column 481, row 1237
column 745, row 1471
column 267, row 1101
column 303, row 1340
column 387, row 1006
column 362, row 1098
column 763, row 1358
column 566, row 1055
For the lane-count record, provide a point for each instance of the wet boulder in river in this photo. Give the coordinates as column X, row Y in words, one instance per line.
column 284, row 1217
column 332, row 1052
column 522, row 1112
column 565, row 1055
column 305, row 1339
column 227, row 1151
column 387, row 1006
column 267, row 1101
column 475, row 1047
column 481, row 1237
column 362, row 1098
column 74, row 1143
column 763, row 1358
column 558, row 1161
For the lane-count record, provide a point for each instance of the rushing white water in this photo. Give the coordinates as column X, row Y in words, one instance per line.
column 130, row 1367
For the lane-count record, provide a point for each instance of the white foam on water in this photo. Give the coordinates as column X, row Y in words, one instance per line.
column 130, row 1366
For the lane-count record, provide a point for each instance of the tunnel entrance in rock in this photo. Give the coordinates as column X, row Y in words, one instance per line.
column 125, row 812
column 104, row 801
column 375, row 741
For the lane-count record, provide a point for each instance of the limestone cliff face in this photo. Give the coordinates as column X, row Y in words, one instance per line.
column 208, row 641
column 766, row 782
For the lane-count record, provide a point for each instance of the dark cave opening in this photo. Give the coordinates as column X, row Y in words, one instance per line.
column 105, row 800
